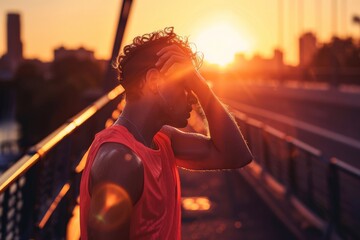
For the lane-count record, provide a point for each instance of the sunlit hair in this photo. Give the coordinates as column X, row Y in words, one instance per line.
column 139, row 56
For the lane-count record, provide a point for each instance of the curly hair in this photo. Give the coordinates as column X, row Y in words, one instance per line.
column 140, row 56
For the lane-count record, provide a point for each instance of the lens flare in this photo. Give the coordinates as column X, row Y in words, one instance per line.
column 196, row 203
column 110, row 207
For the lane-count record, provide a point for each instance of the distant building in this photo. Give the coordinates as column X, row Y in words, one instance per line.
column 307, row 48
column 104, row 64
column 14, row 53
column 240, row 59
column 5, row 74
column 80, row 53
column 278, row 58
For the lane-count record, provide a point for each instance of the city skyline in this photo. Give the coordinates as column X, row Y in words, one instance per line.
column 93, row 26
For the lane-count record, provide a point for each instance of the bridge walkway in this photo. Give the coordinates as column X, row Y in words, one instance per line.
column 236, row 210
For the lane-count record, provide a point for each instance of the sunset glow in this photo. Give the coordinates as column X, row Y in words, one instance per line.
column 220, row 42
column 244, row 25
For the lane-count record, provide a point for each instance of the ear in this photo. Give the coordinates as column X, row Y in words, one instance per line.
column 152, row 79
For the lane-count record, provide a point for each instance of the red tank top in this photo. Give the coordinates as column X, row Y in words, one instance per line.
column 157, row 214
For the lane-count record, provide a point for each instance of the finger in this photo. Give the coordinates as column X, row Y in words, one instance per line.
column 169, row 53
column 181, row 68
column 172, row 47
column 170, row 61
column 178, row 72
column 165, row 57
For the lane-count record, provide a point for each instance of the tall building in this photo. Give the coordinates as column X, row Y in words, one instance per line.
column 307, row 48
column 14, row 53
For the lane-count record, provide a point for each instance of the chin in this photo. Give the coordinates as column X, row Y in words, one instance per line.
column 180, row 124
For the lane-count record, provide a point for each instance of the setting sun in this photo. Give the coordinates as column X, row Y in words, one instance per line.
column 220, row 42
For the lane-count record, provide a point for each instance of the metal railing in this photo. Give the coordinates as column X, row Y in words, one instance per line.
column 39, row 192
column 325, row 187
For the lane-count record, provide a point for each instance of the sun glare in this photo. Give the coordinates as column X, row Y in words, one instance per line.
column 220, row 42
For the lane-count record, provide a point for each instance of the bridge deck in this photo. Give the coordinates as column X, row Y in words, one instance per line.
column 236, row 212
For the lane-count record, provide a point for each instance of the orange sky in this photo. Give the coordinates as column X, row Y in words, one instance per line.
column 92, row 23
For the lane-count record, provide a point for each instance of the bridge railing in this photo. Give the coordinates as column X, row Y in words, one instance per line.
column 39, row 192
column 324, row 189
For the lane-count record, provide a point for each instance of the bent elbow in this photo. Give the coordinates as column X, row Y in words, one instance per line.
column 239, row 157
column 248, row 161
column 244, row 162
column 240, row 162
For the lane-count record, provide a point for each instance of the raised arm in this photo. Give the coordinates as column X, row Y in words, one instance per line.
column 226, row 147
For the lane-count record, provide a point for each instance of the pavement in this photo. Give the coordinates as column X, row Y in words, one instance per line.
column 236, row 211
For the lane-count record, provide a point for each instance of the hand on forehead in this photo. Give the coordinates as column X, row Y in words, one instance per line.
column 174, row 62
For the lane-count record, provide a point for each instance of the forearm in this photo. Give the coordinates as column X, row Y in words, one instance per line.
column 224, row 132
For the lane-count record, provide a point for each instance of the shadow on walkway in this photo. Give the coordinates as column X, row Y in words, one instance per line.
column 236, row 211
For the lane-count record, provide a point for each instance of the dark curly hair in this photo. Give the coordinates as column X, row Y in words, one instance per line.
column 139, row 56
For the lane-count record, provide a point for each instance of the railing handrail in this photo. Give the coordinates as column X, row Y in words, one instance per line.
column 345, row 167
column 340, row 164
column 40, row 149
column 302, row 145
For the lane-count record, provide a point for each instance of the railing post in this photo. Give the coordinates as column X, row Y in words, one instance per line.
column 4, row 211
column 309, row 179
column 292, row 185
column 265, row 150
column 334, row 199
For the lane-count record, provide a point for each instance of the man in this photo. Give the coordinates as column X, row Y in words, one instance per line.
column 130, row 186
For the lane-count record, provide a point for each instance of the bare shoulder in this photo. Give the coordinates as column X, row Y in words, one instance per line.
column 116, row 163
column 167, row 130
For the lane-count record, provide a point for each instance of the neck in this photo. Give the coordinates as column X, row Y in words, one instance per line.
column 143, row 124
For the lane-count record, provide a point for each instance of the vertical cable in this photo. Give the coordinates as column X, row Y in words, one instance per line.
column 334, row 17
column 280, row 23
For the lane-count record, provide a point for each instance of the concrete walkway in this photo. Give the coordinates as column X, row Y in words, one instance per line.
column 236, row 211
